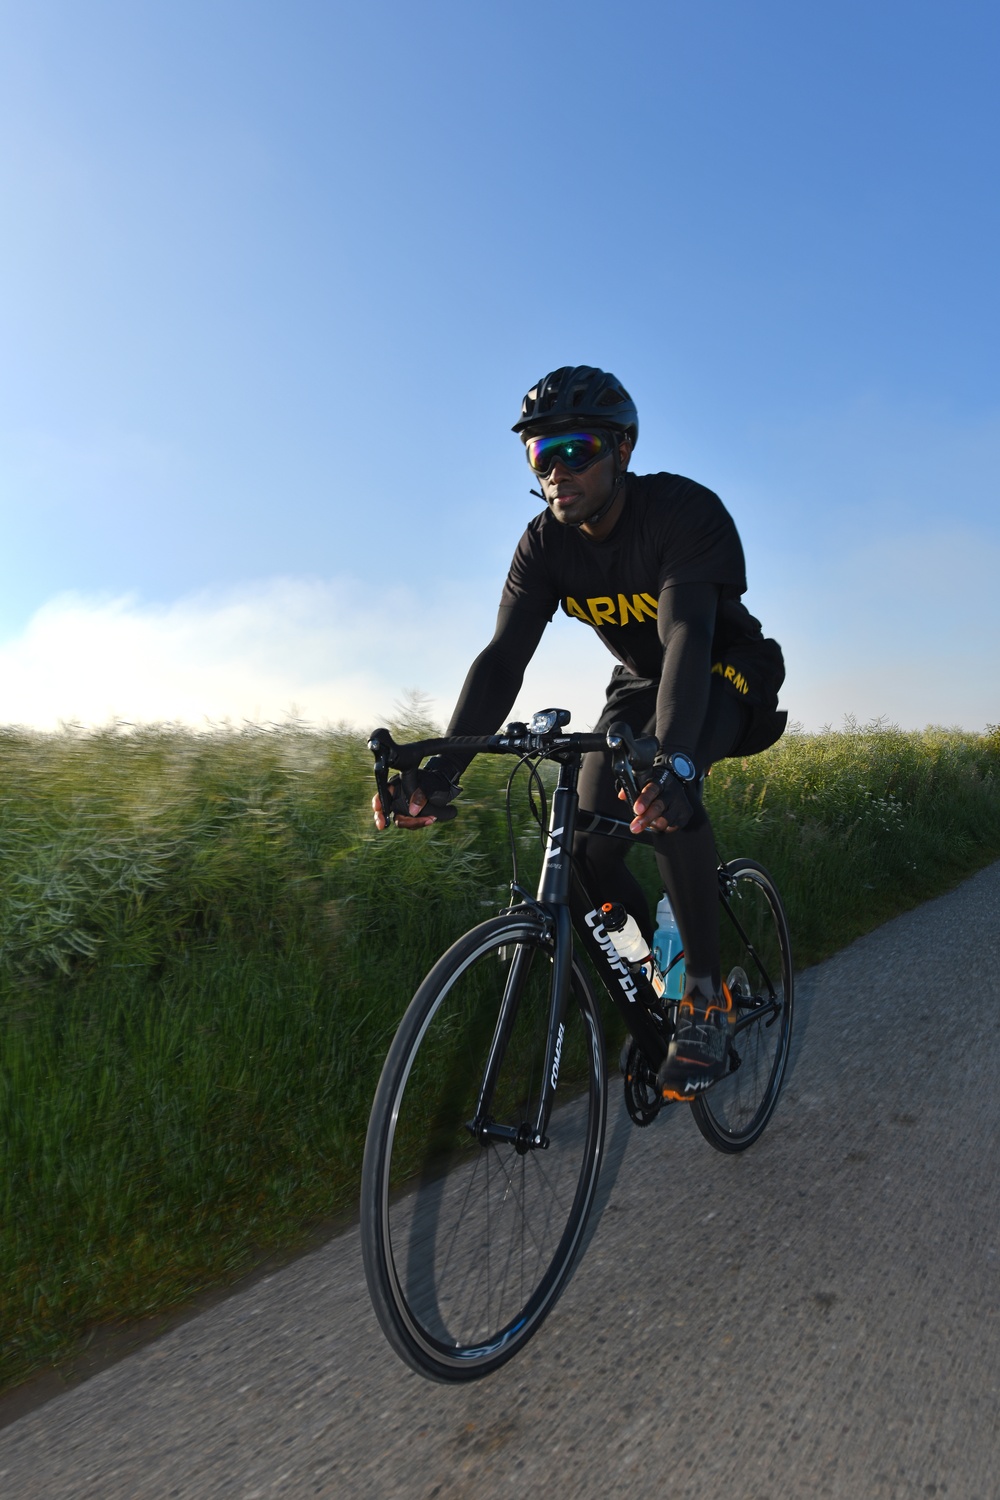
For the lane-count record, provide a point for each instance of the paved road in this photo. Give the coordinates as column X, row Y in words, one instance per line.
column 818, row 1317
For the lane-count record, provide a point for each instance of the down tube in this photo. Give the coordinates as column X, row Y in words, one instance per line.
column 631, row 992
column 553, row 892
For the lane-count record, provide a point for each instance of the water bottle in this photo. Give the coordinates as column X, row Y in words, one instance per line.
column 667, row 945
column 629, row 943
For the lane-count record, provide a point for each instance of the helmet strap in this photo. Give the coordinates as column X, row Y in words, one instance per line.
column 616, row 484
column 602, row 511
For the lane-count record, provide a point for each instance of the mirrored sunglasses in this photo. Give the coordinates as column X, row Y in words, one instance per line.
column 574, row 450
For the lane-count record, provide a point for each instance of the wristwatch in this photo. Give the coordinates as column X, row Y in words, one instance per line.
column 682, row 766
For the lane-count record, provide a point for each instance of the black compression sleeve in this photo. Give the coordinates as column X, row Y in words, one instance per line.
column 494, row 679
column 686, row 624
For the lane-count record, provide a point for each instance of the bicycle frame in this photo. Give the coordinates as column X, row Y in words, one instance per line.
column 562, row 906
column 561, row 903
column 476, row 1188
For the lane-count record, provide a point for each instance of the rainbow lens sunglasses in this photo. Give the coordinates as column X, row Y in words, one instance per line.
column 576, row 451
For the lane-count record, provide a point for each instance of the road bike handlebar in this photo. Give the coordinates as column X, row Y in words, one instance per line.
column 407, row 757
column 543, row 737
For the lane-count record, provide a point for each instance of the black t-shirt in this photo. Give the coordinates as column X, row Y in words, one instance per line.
column 662, row 592
column 671, row 531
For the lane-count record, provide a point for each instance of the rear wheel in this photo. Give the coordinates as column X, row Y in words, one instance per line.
column 468, row 1240
column 757, row 965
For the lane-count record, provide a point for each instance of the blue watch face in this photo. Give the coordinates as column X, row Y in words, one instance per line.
column 682, row 766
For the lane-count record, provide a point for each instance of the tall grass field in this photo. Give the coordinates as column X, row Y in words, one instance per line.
column 205, row 949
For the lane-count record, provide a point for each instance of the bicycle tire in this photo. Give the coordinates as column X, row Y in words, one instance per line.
column 732, row 1114
column 466, row 1246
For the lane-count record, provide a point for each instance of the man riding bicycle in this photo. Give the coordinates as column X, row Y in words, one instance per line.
column 654, row 565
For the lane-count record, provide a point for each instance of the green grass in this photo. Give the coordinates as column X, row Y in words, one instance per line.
column 204, row 951
column 860, row 825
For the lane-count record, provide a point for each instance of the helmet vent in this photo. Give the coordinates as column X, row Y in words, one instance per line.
column 575, row 394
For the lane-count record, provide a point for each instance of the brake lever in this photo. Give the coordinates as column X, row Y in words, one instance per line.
column 381, row 744
column 628, row 754
column 621, row 743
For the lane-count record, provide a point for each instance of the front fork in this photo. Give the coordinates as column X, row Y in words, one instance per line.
column 553, row 897
column 530, row 1134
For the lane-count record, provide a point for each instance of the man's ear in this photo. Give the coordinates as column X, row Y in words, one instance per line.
column 624, row 452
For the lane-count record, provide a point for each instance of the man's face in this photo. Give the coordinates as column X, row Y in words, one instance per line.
column 572, row 498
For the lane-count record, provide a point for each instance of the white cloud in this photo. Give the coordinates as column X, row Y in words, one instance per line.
column 905, row 631
column 326, row 651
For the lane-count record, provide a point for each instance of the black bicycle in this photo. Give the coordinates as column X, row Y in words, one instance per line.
column 477, row 1183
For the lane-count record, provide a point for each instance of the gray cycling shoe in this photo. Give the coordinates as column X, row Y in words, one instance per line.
column 699, row 1049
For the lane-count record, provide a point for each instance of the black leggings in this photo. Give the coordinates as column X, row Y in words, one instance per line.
column 687, row 860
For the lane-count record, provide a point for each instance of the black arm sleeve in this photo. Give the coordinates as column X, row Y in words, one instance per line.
column 494, row 680
column 686, row 624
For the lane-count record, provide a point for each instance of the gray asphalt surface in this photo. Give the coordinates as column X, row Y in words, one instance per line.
column 817, row 1317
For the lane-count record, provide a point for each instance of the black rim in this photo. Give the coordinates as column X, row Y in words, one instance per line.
column 477, row 1237
column 756, row 961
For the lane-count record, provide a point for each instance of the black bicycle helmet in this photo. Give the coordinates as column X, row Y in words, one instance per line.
column 575, row 394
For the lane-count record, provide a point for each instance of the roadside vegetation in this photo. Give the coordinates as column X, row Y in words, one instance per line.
column 205, row 949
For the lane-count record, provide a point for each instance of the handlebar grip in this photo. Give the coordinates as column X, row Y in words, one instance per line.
column 381, row 742
column 387, row 753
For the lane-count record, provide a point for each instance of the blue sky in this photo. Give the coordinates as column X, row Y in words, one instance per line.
column 274, row 279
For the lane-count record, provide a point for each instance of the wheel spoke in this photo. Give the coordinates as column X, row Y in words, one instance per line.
column 467, row 1252
column 754, row 933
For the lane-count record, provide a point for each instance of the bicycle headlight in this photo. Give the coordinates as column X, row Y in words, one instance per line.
column 548, row 719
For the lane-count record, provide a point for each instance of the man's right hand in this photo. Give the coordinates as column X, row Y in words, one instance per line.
column 419, row 798
column 403, row 820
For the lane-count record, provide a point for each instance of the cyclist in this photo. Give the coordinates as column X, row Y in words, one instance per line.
column 654, row 566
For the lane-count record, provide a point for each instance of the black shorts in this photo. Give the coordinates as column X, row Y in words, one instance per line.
column 734, row 724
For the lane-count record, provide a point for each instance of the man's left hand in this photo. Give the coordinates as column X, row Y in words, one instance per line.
column 664, row 809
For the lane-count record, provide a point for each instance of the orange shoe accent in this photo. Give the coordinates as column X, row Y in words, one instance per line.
column 724, row 1010
column 672, row 1097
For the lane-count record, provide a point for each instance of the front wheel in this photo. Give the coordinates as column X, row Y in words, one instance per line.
column 468, row 1240
column 757, row 965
